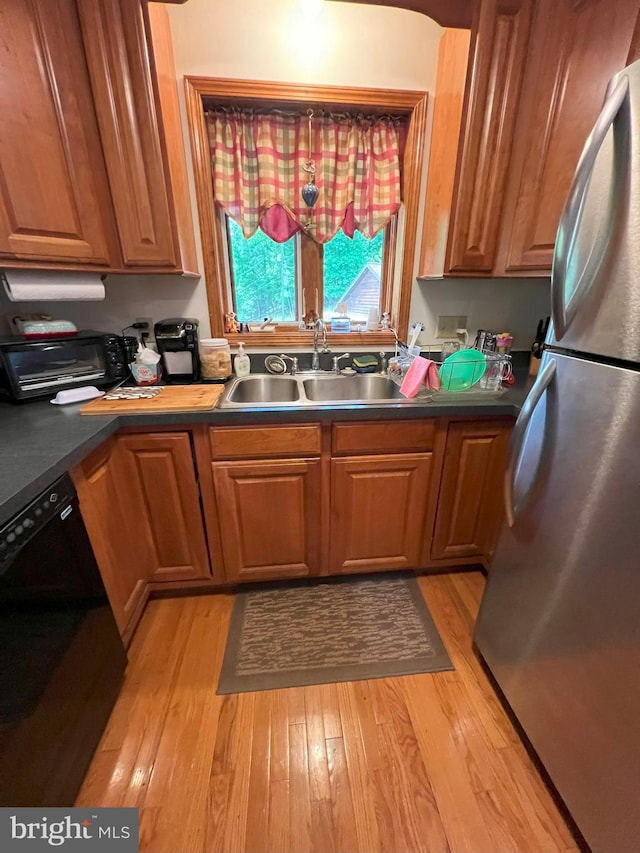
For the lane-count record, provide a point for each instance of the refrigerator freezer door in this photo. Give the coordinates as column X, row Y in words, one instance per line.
column 559, row 624
column 595, row 297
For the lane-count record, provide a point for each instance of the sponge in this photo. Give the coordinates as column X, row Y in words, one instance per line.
column 365, row 363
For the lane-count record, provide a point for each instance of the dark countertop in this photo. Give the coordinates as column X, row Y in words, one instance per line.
column 39, row 442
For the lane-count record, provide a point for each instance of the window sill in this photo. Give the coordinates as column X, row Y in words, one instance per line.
column 297, row 338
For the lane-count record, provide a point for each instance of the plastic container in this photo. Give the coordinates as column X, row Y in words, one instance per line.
column 215, row 358
column 242, row 362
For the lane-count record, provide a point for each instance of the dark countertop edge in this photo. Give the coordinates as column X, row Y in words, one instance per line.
column 507, row 406
column 55, row 468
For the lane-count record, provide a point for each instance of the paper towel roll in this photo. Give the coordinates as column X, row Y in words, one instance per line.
column 52, row 286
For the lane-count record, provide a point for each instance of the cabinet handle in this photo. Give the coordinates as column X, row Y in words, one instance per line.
column 572, row 213
column 517, row 437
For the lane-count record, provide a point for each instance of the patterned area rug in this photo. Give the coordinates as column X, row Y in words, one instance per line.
column 342, row 629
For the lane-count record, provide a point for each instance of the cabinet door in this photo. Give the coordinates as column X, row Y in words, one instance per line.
column 470, row 501
column 161, row 480
column 378, row 511
column 54, row 198
column 575, row 48
column 269, row 515
column 118, row 58
column 499, row 52
column 108, row 510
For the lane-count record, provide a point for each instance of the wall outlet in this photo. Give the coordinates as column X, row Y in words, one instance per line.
column 446, row 325
column 148, row 331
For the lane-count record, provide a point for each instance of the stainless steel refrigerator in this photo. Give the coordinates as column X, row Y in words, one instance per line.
column 559, row 624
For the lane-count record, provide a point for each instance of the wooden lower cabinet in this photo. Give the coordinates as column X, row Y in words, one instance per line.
column 378, row 511
column 107, row 507
column 469, row 509
column 161, row 478
column 269, row 516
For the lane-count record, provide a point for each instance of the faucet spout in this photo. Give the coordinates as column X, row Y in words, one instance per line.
column 319, row 325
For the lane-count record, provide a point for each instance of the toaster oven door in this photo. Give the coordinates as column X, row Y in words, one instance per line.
column 35, row 369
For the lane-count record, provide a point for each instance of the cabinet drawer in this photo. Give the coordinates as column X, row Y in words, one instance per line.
column 254, row 442
column 383, row 437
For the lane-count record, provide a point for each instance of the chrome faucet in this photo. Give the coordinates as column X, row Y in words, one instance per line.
column 294, row 363
column 315, row 358
column 337, row 359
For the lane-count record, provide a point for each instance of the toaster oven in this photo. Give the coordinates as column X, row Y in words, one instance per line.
column 31, row 369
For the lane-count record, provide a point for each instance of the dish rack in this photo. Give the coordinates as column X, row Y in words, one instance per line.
column 399, row 365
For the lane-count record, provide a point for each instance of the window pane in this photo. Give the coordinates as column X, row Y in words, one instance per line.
column 263, row 276
column 352, row 273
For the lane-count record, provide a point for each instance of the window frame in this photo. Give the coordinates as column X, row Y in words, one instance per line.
column 396, row 289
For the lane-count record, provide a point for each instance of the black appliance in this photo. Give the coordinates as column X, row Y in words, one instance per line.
column 61, row 656
column 33, row 369
column 177, row 342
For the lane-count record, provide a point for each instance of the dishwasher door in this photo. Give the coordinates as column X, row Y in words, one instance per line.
column 61, row 656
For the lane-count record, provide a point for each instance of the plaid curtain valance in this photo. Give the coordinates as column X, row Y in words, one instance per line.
column 257, row 163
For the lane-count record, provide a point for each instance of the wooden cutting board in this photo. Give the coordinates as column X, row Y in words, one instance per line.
column 175, row 398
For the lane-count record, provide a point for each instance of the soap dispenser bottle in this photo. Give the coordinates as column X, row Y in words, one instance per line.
column 242, row 362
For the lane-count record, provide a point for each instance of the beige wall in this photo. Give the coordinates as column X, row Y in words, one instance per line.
column 346, row 44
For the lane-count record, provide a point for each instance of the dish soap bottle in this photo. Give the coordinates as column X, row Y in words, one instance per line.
column 242, row 362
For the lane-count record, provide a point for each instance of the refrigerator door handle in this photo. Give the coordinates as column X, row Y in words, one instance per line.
column 517, row 437
column 571, row 215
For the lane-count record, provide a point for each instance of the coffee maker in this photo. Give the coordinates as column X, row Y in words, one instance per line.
column 177, row 342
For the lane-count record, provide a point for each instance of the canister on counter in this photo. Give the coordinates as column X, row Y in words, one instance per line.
column 215, row 358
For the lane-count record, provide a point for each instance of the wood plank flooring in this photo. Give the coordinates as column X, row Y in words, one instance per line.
column 397, row 765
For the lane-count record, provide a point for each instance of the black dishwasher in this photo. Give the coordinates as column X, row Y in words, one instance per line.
column 61, row 657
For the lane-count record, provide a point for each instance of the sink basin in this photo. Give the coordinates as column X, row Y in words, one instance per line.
column 268, row 391
column 366, row 386
column 264, row 389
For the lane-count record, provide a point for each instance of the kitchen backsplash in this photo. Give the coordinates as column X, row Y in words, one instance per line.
column 513, row 305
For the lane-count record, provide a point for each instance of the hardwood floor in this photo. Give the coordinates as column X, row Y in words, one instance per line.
column 397, row 765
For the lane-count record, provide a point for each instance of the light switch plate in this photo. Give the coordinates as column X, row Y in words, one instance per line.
column 448, row 324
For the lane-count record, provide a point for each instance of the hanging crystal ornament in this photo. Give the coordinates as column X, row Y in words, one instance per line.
column 310, row 191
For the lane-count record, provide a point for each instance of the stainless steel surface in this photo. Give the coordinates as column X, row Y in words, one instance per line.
column 264, row 389
column 294, row 362
column 313, row 388
column 559, row 624
column 545, row 377
column 569, row 227
column 596, row 298
column 365, row 386
column 319, row 325
column 337, row 359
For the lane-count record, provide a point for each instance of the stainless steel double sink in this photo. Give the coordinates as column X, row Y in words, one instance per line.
column 311, row 390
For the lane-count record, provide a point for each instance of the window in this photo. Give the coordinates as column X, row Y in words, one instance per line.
column 259, row 260
column 352, row 271
column 314, row 264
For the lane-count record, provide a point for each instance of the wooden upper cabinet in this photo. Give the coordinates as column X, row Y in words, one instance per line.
column 578, row 48
column 54, row 197
column 537, row 76
column 499, row 50
column 134, row 138
column 453, row 58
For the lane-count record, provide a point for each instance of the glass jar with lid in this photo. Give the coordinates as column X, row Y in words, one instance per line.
column 215, row 358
